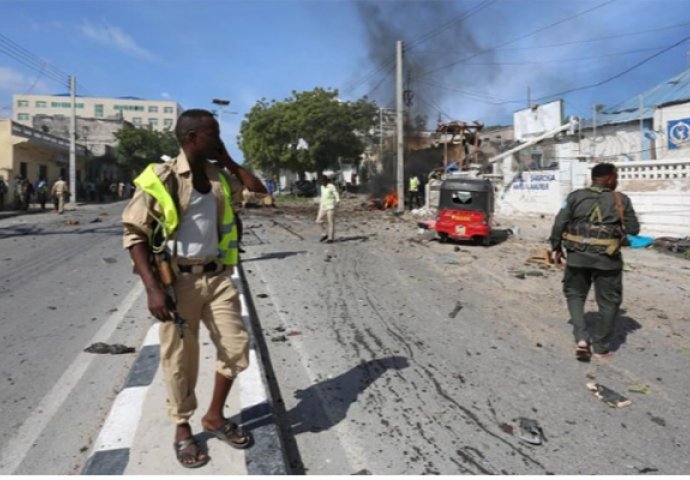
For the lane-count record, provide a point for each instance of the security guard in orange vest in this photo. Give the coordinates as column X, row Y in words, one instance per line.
column 182, row 212
column 592, row 226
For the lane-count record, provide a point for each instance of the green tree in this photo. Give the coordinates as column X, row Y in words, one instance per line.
column 137, row 147
column 332, row 129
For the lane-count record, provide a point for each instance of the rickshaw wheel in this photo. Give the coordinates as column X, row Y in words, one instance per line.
column 486, row 241
column 443, row 237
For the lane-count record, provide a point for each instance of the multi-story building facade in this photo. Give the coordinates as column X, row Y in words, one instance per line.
column 159, row 114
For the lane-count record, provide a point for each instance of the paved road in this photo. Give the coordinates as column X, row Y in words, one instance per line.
column 62, row 287
column 380, row 373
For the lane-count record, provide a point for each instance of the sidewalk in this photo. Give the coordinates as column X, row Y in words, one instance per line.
column 137, row 437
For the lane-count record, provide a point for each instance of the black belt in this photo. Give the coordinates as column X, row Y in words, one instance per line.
column 205, row 268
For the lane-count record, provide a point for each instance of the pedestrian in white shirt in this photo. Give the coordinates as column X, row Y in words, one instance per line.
column 329, row 200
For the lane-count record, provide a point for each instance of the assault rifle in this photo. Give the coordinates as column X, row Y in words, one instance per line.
column 164, row 270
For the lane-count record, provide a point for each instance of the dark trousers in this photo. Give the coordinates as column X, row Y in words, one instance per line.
column 413, row 199
column 238, row 220
column 608, row 288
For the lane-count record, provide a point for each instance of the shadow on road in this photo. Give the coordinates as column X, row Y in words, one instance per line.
column 31, row 230
column 273, row 256
column 363, row 238
column 326, row 403
column 498, row 236
column 624, row 326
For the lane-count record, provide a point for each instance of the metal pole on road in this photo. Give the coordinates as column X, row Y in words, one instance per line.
column 399, row 106
column 72, row 143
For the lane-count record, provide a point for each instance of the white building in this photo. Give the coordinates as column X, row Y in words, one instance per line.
column 159, row 114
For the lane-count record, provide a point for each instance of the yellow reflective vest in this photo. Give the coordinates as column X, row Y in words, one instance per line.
column 150, row 183
column 414, row 184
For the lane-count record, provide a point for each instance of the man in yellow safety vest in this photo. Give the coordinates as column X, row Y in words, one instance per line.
column 182, row 212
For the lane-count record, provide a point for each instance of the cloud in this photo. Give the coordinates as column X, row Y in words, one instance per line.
column 165, row 95
column 115, row 37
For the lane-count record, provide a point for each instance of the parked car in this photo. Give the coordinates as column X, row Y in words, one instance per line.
column 303, row 188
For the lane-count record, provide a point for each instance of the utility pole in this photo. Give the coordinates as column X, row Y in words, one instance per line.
column 594, row 132
column 72, row 143
column 445, row 147
column 381, row 135
column 641, row 127
column 399, row 106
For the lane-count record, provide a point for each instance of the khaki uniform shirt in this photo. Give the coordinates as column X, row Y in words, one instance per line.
column 60, row 187
column 136, row 220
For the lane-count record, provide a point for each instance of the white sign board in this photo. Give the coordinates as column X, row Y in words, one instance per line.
column 531, row 122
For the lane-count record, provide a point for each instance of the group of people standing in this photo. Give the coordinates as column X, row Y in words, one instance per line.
column 24, row 192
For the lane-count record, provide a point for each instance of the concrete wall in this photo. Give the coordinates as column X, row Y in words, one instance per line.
column 662, row 213
column 537, row 191
column 659, row 190
column 615, row 143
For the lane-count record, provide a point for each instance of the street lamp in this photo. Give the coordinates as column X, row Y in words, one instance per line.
column 221, row 102
column 595, row 108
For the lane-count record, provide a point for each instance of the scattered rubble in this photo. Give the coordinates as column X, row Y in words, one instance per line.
column 608, row 396
column 640, row 388
column 530, row 431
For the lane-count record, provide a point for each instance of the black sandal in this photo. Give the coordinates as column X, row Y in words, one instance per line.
column 181, row 456
column 229, row 428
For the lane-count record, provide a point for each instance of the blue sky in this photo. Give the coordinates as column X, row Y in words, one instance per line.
column 473, row 68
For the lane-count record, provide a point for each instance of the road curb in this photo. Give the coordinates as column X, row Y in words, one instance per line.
column 110, row 452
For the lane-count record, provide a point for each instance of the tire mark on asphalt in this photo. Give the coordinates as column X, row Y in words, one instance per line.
column 468, row 415
column 476, row 420
column 287, row 229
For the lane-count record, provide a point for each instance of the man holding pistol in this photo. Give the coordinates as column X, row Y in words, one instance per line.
column 182, row 236
column 592, row 227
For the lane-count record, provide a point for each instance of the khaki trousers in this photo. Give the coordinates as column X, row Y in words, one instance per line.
column 213, row 299
column 61, row 202
column 330, row 217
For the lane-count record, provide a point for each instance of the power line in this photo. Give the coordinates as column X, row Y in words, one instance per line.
column 576, row 42
column 376, row 87
column 607, row 37
column 620, row 74
column 31, row 60
column 36, row 63
column 564, row 60
column 387, row 64
column 574, row 89
column 434, row 106
column 483, row 98
column 521, row 37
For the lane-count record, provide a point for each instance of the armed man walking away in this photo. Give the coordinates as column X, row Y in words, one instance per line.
column 592, row 227
column 180, row 230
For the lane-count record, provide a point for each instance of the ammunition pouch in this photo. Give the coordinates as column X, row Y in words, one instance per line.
column 594, row 238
